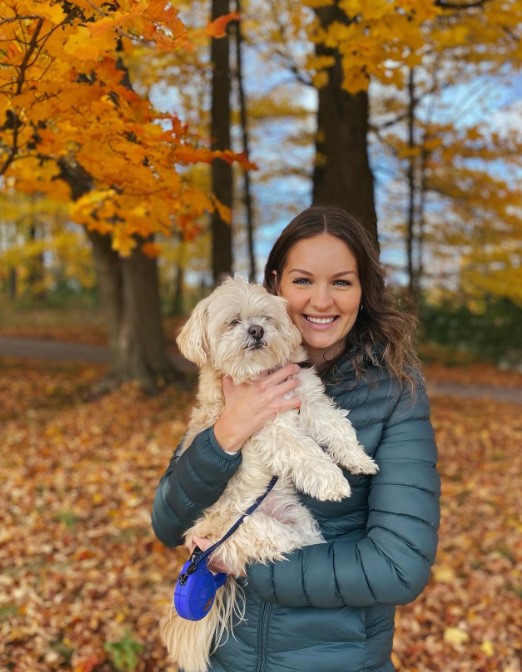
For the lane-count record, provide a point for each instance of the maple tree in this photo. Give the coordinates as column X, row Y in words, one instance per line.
column 73, row 127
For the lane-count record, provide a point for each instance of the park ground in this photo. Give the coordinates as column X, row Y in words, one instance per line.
column 84, row 582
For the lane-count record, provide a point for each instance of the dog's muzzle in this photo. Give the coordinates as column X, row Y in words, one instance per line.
column 256, row 333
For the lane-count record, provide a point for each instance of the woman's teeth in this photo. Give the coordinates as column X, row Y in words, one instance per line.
column 320, row 320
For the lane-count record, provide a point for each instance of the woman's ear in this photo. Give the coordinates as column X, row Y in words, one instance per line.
column 275, row 282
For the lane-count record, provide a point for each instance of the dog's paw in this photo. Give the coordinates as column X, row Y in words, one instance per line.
column 363, row 464
column 334, row 489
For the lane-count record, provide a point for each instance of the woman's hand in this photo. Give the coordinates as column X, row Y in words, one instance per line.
column 248, row 406
column 203, row 543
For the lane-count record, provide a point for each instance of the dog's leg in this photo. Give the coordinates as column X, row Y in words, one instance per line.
column 330, row 427
column 288, row 452
column 264, row 539
column 283, row 505
column 279, row 526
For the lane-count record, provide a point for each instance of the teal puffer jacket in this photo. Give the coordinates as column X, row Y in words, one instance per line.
column 330, row 607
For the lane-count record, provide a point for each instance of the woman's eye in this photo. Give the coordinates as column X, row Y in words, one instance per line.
column 301, row 281
column 343, row 283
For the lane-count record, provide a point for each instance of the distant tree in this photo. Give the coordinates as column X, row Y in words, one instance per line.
column 462, row 228
column 342, row 175
column 245, row 142
column 221, row 170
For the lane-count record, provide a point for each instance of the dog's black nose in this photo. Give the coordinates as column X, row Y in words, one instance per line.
column 256, row 331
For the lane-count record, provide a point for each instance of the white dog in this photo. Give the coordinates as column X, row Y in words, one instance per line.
column 241, row 330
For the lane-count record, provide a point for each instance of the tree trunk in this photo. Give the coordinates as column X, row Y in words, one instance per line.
column 177, row 307
column 12, row 284
column 413, row 287
column 247, row 189
column 222, row 259
column 129, row 289
column 36, row 275
column 342, row 174
column 130, row 294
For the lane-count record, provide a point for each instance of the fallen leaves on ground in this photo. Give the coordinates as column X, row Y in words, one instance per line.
column 83, row 581
column 469, row 619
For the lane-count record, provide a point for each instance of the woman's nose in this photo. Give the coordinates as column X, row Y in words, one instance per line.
column 321, row 297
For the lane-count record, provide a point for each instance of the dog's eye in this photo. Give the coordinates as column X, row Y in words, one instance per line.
column 234, row 322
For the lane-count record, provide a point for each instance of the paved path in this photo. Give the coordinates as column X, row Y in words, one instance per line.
column 509, row 395
column 28, row 348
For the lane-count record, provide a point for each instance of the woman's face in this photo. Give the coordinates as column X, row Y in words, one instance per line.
column 320, row 281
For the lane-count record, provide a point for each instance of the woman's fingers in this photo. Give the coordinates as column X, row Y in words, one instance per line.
column 283, row 373
column 283, row 384
column 215, row 566
column 249, row 406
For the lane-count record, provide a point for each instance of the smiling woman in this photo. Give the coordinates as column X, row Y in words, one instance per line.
column 327, row 605
column 327, row 267
column 320, row 281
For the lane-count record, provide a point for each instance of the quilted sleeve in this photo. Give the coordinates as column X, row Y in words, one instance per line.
column 391, row 563
column 193, row 481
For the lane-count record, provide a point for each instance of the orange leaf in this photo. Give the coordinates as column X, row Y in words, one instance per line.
column 218, row 27
column 88, row 664
column 151, row 250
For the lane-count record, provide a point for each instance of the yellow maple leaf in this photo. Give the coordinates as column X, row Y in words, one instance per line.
column 54, row 13
column 82, row 45
column 122, row 242
column 355, row 80
column 455, row 636
column 487, row 647
column 443, row 574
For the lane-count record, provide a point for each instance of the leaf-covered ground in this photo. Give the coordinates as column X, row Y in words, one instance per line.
column 83, row 582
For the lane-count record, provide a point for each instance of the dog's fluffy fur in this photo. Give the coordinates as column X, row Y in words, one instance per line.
column 241, row 330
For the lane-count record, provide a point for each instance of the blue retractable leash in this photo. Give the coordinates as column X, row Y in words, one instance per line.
column 196, row 586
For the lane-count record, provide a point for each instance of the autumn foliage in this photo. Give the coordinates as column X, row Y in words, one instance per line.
column 84, row 581
column 74, row 126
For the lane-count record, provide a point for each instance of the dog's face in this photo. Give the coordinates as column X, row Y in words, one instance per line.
column 239, row 330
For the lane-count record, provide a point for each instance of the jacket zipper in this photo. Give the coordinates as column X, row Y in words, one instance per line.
column 262, row 636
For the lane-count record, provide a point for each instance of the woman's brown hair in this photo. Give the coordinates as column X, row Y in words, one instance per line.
column 382, row 333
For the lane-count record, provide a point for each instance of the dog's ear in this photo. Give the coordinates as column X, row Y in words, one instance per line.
column 291, row 332
column 295, row 336
column 192, row 339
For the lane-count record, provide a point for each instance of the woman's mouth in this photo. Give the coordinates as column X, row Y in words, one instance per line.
column 320, row 321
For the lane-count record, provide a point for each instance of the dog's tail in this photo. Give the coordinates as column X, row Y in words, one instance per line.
column 190, row 643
